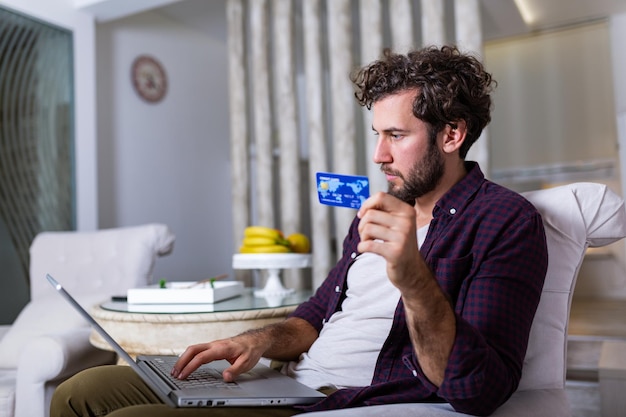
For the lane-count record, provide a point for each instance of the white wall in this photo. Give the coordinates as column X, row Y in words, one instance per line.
column 554, row 99
column 63, row 14
column 167, row 162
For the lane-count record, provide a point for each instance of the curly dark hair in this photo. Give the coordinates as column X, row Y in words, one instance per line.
column 450, row 86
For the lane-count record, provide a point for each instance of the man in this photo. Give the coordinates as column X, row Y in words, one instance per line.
column 438, row 284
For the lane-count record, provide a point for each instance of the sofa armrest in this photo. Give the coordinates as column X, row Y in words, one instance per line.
column 4, row 329
column 53, row 358
column 59, row 355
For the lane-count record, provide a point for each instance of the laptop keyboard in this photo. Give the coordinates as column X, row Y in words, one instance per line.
column 200, row 378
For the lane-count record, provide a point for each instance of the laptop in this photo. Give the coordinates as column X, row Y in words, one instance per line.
column 205, row 387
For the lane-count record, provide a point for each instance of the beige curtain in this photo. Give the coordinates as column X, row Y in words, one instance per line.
column 293, row 112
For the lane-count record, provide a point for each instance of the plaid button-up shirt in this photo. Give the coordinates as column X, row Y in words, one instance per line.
column 486, row 247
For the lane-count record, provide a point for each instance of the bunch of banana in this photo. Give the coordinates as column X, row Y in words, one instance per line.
column 261, row 239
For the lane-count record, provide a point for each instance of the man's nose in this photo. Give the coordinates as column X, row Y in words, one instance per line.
column 381, row 152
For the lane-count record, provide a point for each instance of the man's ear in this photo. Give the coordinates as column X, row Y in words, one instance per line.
column 454, row 136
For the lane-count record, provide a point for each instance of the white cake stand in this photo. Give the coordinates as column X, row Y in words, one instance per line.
column 273, row 263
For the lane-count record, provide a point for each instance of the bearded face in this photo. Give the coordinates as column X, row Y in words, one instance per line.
column 423, row 176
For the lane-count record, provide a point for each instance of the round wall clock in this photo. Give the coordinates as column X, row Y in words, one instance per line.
column 149, row 78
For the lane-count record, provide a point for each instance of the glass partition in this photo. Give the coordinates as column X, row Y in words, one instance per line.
column 36, row 145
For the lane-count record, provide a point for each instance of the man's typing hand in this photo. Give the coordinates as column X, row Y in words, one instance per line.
column 282, row 341
column 243, row 352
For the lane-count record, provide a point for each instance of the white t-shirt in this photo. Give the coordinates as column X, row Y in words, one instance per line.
column 346, row 351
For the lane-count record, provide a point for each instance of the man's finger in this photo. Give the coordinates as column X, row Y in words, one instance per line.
column 381, row 201
column 187, row 357
column 241, row 365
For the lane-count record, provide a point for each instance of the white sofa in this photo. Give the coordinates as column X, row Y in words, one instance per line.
column 49, row 341
column 576, row 216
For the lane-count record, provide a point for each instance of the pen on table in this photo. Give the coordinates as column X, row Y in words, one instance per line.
column 210, row 280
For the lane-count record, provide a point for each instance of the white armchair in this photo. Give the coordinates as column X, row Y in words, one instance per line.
column 575, row 216
column 48, row 342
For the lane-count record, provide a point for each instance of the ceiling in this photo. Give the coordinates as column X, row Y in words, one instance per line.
column 501, row 18
column 506, row 18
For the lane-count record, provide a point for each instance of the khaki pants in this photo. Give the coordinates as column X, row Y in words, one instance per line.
column 117, row 391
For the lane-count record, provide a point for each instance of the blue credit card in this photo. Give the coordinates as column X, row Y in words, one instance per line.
column 342, row 190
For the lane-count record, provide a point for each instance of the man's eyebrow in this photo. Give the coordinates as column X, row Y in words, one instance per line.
column 391, row 129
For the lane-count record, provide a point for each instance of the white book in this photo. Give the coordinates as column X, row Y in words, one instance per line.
column 185, row 292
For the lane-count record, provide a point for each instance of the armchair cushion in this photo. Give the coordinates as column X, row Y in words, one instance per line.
column 543, row 403
column 575, row 217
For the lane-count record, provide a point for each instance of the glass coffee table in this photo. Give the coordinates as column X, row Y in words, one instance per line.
column 167, row 329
